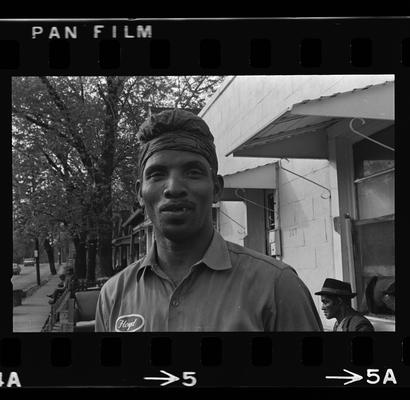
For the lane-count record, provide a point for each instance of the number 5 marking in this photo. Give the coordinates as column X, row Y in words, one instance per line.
column 189, row 376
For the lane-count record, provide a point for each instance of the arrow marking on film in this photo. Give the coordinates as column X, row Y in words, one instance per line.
column 352, row 378
column 169, row 379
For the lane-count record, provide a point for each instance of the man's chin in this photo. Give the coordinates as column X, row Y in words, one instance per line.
column 178, row 234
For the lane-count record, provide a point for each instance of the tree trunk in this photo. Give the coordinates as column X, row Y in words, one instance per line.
column 37, row 257
column 104, row 172
column 91, row 262
column 80, row 264
column 50, row 254
column 105, row 252
column 103, row 209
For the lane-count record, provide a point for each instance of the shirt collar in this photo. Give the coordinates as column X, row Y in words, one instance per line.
column 216, row 256
column 149, row 260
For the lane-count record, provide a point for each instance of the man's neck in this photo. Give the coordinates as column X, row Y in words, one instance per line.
column 344, row 312
column 176, row 258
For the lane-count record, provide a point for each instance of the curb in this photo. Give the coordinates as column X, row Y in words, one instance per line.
column 20, row 294
column 32, row 289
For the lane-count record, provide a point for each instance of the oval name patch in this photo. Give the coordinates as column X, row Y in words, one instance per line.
column 129, row 323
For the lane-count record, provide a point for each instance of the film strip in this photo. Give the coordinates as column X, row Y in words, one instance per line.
column 212, row 47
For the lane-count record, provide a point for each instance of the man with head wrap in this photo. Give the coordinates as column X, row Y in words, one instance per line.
column 192, row 279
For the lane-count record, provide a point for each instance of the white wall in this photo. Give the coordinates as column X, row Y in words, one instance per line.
column 233, row 231
column 246, row 104
column 306, row 222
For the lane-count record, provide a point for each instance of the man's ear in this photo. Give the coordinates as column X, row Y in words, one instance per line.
column 138, row 186
column 218, row 188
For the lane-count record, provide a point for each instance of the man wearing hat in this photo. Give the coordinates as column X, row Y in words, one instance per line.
column 336, row 303
column 192, row 279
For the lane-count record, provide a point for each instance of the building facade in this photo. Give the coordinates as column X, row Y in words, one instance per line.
column 308, row 163
column 132, row 236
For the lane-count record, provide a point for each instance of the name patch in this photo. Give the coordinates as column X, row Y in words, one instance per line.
column 129, row 323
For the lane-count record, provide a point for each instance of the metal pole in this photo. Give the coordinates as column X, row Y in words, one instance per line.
column 349, row 245
column 37, row 257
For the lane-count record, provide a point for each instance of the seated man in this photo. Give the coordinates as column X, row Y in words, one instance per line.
column 192, row 279
column 57, row 292
column 336, row 303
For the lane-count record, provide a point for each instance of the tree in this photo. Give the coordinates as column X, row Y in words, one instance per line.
column 49, row 247
column 35, row 203
column 62, row 129
column 80, row 133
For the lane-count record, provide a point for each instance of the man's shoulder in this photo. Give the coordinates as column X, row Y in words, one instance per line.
column 359, row 321
column 357, row 316
column 243, row 256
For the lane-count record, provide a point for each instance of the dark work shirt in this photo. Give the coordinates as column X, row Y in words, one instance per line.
column 231, row 288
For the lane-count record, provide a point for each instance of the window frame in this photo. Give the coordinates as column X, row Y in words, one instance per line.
column 355, row 226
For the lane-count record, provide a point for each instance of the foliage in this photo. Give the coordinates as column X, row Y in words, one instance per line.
column 74, row 146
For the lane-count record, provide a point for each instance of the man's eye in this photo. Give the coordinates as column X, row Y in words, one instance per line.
column 156, row 174
column 195, row 172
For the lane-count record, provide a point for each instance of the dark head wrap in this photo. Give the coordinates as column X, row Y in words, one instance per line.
column 176, row 130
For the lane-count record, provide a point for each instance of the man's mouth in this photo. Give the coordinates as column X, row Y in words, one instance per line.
column 176, row 209
column 181, row 210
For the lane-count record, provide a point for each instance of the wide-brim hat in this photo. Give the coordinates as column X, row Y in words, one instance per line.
column 336, row 288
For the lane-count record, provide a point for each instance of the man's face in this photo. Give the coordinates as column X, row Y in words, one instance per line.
column 178, row 190
column 330, row 306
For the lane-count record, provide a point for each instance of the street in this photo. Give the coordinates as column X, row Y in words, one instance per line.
column 31, row 315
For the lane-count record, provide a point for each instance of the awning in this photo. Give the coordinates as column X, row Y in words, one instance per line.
column 262, row 177
column 300, row 131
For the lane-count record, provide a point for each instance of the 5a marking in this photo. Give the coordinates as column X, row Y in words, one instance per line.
column 187, row 376
column 373, row 377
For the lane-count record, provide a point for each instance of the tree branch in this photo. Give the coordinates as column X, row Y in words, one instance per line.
column 77, row 142
column 80, row 95
column 127, row 95
column 54, row 165
column 31, row 119
column 194, row 92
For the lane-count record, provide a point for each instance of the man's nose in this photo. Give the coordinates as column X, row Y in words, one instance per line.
column 175, row 187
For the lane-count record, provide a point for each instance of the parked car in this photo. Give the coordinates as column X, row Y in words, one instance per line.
column 29, row 262
column 16, row 269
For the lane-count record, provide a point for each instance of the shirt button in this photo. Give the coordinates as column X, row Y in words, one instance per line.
column 175, row 303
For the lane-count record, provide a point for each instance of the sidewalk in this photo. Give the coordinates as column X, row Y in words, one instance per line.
column 27, row 279
column 32, row 314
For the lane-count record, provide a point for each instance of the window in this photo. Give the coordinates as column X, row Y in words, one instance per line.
column 273, row 244
column 373, row 230
column 124, row 256
column 271, row 210
column 135, row 247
